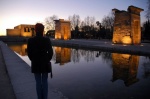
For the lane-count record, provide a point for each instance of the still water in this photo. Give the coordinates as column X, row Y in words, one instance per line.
column 88, row 74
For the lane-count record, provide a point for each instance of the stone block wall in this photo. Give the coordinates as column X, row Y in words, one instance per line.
column 23, row 30
column 122, row 28
column 62, row 29
column 127, row 29
column 13, row 32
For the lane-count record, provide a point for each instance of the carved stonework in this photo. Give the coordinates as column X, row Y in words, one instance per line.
column 127, row 29
column 62, row 29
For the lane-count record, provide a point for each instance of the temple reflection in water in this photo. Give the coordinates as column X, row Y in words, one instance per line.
column 125, row 67
column 63, row 55
column 19, row 48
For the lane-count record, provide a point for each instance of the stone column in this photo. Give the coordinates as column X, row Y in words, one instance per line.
column 135, row 24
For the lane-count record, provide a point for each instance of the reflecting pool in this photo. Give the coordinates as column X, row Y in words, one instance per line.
column 89, row 74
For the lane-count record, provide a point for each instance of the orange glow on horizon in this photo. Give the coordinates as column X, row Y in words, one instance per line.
column 11, row 22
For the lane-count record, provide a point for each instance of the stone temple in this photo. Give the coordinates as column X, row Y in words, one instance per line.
column 62, row 29
column 127, row 28
column 22, row 30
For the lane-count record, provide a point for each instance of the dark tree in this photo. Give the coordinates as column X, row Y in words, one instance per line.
column 75, row 23
column 146, row 30
column 107, row 23
column 148, row 10
column 49, row 22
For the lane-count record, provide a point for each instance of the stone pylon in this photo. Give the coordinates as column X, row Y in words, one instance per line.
column 127, row 28
column 62, row 29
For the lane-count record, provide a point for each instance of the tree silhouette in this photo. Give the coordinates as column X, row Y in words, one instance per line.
column 148, row 10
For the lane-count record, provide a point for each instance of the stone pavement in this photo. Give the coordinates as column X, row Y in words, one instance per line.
column 20, row 83
column 6, row 88
column 105, row 45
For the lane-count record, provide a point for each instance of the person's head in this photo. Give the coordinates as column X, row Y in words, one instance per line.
column 39, row 28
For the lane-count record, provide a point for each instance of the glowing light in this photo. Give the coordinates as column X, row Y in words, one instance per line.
column 65, row 37
column 126, row 56
column 11, row 22
column 57, row 36
column 126, row 40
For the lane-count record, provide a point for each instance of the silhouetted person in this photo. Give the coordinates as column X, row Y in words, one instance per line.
column 40, row 53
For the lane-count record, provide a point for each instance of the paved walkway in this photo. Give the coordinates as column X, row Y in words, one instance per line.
column 105, row 45
column 6, row 88
column 19, row 82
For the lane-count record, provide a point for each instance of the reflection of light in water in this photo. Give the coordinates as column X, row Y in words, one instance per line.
column 75, row 75
column 125, row 67
column 63, row 55
column 21, row 49
column 127, row 56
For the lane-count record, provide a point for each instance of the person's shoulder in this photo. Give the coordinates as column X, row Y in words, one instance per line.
column 47, row 39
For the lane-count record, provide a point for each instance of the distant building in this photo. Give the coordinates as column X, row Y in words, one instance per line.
column 127, row 29
column 62, row 29
column 24, row 30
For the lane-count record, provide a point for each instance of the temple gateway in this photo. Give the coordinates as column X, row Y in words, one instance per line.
column 62, row 29
column 127, row 29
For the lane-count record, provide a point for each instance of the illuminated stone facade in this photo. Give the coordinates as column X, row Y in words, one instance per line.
column 127, row 29
column 125, row 67
column 23, row 30
column 62, row 29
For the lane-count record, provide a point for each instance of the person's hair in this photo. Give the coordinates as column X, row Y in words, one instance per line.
column 39, row 28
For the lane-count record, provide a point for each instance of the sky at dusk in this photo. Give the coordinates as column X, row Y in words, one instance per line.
column 16, row 12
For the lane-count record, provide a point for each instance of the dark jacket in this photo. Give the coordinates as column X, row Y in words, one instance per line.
column 40, row 52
